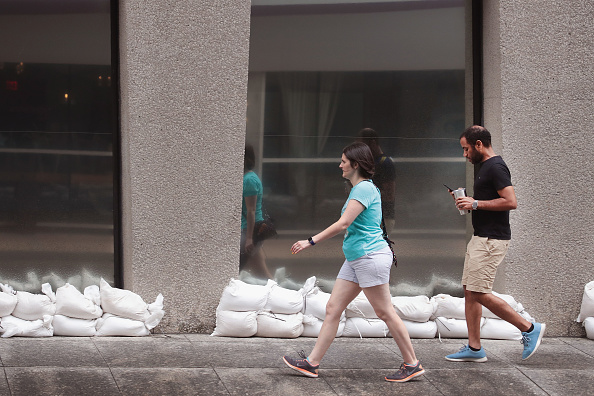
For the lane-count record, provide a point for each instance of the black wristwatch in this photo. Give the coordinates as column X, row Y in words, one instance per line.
column 311, row 242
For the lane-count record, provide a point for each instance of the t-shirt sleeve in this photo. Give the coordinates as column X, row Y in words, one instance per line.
column 250, row 187
column 363, row 193
column 501, row 176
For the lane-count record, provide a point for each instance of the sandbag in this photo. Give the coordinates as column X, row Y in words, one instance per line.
column 35, row 306
column 587, row 308
column 8, row 302
column 453, row 307
column 286, row 301
column 415, row 309
column 73, row 327
column 313, row 325
column 279, row 325
column 361, row 327
column 498, row 329
column 112, row 325
column 11, row 326
column 127, row 304
column 235, row 324
column 421, row 329
column 453, row 328
column 242, row 297
column 72, row 303
column 589, row 325
column 315, row 303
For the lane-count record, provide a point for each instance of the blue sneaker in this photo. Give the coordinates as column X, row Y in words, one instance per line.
column 532, row 340
column 465, row 354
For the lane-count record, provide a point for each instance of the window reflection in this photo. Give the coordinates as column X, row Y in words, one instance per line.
column 57, row 127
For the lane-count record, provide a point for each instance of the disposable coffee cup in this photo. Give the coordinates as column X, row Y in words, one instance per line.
column 461, row 192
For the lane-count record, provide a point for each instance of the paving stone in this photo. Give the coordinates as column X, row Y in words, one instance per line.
column 51, row 351
column 168, row 381
column 372, row 382
column 150, row 352
column 492, row 382
column 563, row 382
column 40, row 381
column 268, row 381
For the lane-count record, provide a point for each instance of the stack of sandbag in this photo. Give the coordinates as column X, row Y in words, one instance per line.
column 314, row 313
column 415, row 312
column 76, row 312
column 450, row 318
column 282, row 316
column 125, row 313
column 30, row 316
column 586, row 315
column 238, row 309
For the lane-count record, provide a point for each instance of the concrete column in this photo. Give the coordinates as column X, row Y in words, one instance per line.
column 184, row 69
column 539, row 84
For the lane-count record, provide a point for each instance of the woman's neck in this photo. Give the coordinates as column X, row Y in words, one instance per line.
column 357, row 179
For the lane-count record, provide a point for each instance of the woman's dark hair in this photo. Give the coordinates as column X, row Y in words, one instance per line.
column 249, row 159
column 360, row 153
column 476, row 132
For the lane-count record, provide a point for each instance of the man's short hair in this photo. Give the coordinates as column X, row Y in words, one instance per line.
column 475, row 133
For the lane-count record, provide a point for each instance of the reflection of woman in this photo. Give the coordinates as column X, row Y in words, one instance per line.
column 252, row 256
column 367, row 266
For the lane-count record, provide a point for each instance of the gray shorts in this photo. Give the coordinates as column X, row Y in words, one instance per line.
column 372, row 269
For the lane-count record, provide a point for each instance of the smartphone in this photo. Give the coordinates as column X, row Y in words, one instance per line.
column 449, row 189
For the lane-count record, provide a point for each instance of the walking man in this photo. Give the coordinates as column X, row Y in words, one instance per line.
column 494, row 197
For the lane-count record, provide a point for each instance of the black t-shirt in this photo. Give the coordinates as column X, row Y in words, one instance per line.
column 384, row 173
column 492, row 176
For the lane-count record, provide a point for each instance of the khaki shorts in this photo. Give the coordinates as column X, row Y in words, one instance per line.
column 483, row 256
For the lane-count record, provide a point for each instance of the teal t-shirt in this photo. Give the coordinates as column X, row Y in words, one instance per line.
column 251, row 186
column 364, row 235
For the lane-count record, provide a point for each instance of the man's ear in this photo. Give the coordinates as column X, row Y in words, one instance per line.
column 479, row 145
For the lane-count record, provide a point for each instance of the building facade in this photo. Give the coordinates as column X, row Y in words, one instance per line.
column 195, row 81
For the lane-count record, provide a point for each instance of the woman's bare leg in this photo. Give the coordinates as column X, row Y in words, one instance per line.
column 343, row 293
column 381, row 301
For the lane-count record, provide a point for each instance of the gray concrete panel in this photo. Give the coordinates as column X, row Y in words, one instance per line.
column 184, row 68
column 51, row 351
column 539, row 84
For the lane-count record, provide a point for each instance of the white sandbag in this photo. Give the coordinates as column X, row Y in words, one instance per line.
column 589, row 325
column 453, row 328
column 11, row 326
column 313, row 325
column 415, row 309
column 92, row 293
column 587, row 308
column 453, row 307
column 8, row 302
column 72, row 303
column 364, row 328
column 279, row 325
column 112, row 325
column 286, row 301
column 498, row 329
column 73, row 327
column 235, row 324
column 156, row 313
column 421, row 330
column 242, row 297
column 126, row 304
column 360, row 307
column 35, row 306
column 315, row 304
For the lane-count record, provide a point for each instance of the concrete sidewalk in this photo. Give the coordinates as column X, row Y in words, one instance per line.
column 197, row 364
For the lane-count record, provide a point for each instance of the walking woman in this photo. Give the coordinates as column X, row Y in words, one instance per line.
column 251, row 254
column 367, row 267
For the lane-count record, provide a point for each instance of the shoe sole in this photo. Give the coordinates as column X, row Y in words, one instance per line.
column 417, row 374
column 479, row 360
column 300, row 370
column 542, row 330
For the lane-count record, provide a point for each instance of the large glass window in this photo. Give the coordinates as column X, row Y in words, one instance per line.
column 322, row 71
column 58, row 135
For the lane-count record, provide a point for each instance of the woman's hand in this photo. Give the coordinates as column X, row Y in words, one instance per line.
column 249, row 245
column 299, row 246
